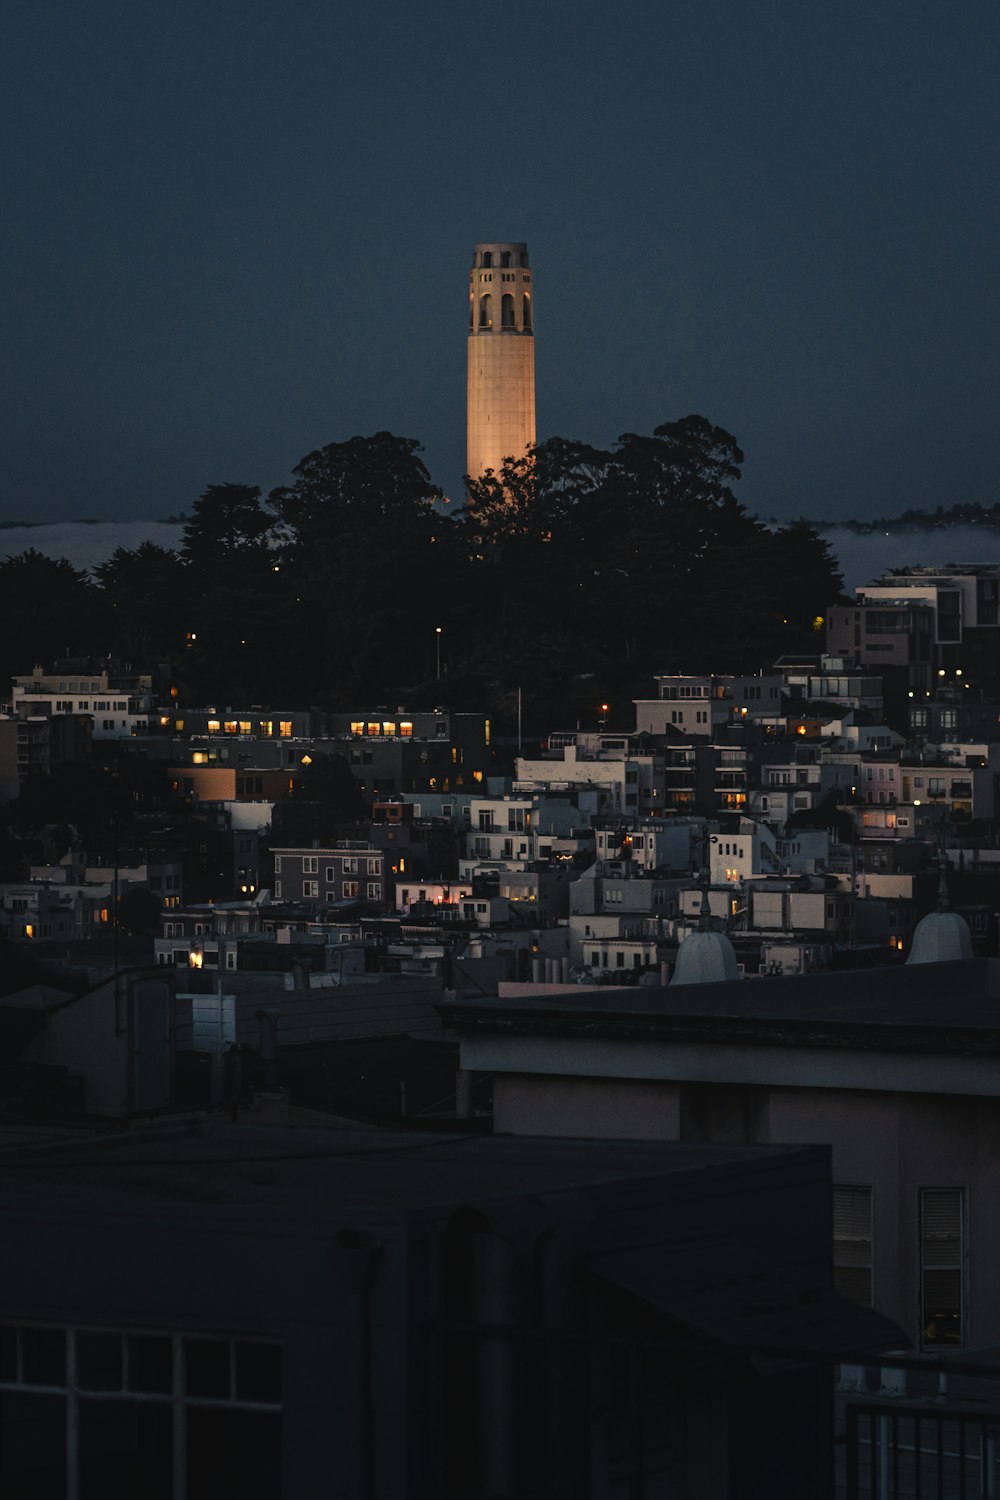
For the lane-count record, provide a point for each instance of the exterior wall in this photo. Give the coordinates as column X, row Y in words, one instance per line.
column 227, row 784
column 896, row 1143
column 588, row 1108
column 700, row 716
column 501, row 373
column 10, row 784
column 349, row 873
column 115, row 712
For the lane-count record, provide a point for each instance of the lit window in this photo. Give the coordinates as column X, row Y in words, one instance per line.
column 214, row 726
column 941, row 1265
column 266, row 726
column 374, row 726
column 285, row 729
column 477, row 775
column 406, row 729
column 357, row 726
column 245, row 727
column 388, row 728
column 230, row 726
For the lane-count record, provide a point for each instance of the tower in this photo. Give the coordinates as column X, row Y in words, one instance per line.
column 501, row 391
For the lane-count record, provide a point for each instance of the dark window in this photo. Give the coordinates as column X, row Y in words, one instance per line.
column 852, row 1243
column 150, row 1364
column 43, row 1356
column 505, row 257
column 126, row 1448
column 488, row 259
column 258, row 1372
column 99, row 1361
column 486, row 311
column 507, row 311
column 32, row 1446
column 526, row 311
column 233, row 1455
column 206, row 1368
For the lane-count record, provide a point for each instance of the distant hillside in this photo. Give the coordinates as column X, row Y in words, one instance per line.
column 973, row 514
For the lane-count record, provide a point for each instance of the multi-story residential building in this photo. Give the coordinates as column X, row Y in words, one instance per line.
column 200, row 782
column 787, row 1059
column 928, row 621
column 117, row 705
column 702, row 705
column 947, row 717
column 39, row 912
column 45, row 741
column 647, row 844
column 352, row 871
column 830, row 679
column 630, row 780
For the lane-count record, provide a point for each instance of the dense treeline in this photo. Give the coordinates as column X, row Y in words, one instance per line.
column 573, row 576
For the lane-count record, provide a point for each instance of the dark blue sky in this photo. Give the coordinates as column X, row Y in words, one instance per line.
column 237, row 231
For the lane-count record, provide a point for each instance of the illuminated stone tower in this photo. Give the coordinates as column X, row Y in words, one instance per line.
column 501, row 402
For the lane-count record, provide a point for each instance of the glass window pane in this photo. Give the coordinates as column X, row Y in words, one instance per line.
column 233, row 1455
column 942, row 1307
column 125, row 1449
column 43, row 1356
column 99, row 1361
column 150, row 1364
column 206, row 1367
column 8, row 1353
column 32, row 1446
column 258, row 1372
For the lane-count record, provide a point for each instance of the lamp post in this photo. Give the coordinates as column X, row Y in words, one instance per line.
column 437, row 641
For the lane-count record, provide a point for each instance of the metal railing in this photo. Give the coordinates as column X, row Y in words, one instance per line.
column 922, row 1450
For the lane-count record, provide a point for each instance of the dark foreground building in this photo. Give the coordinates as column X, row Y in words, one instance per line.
column 196, row 1312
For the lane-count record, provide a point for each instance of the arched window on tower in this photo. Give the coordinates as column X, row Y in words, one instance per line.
column 488, row 258
column 505, row 257
column 524, row 259
column 526, row 310
column 472, row 312
column 486, row 311
column 507, row 311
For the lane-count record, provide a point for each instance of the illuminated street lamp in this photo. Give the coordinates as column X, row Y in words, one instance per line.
column 437, row 639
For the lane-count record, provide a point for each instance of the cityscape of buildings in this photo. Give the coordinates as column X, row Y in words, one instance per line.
column 612, row 1112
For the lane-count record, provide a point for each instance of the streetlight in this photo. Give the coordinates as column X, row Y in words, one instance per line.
column 437, row 638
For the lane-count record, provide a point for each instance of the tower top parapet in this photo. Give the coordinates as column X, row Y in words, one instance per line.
column 494, row 254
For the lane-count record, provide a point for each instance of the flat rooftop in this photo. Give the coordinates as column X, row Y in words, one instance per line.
column 330, row 1169
column 952, row 1007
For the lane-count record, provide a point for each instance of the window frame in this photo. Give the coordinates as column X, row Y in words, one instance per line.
column 176, row 1398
